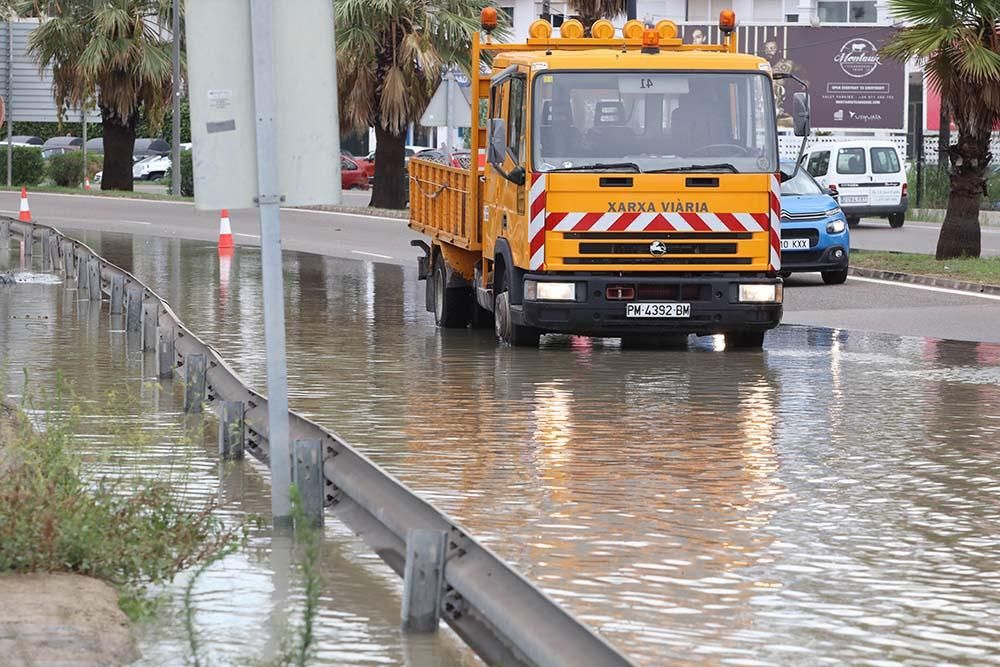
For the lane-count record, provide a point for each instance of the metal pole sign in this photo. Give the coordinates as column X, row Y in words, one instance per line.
column 264, row 129
column 175, row 125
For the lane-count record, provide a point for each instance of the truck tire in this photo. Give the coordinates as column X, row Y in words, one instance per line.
column 512, row 334
column 745, row 340
column 896, row 220
column 835, row 277
column 452, row 305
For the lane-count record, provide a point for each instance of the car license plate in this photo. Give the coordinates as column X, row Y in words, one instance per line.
column 658, row 310
column 795, row 244
column 854, row 199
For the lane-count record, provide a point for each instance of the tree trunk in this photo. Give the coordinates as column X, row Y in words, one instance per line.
column 944, row 135
column 389, row 190
column 119, row 144
column 960, row 233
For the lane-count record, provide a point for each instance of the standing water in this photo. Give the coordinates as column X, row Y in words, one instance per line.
column 831, row 499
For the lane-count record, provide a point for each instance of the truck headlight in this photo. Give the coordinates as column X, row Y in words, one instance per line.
column 835, row 227
column 535, row 290
column 760, row 293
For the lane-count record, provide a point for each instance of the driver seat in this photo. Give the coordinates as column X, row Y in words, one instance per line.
column 691, row 125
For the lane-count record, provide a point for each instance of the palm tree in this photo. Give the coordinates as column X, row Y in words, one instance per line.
column 113, row 48
column 389, row 59
column 960, row 41
column 590, row 11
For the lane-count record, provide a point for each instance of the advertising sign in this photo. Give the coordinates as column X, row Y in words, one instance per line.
column 851, row 84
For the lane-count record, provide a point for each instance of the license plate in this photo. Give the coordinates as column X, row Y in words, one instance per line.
column 658, row 310
column 795, row 244
column 854, row 199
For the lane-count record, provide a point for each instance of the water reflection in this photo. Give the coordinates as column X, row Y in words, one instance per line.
column 830, row 496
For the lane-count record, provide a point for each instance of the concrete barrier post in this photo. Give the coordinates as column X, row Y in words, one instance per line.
column 94, row 279
column 133, row 310
column 166, row 357
column 150, row 310
column 67, row 265
column 82, row 270
column 307, row 476
column 194, row 383
column 117, row 294
column 232, row 434
column 423, row 579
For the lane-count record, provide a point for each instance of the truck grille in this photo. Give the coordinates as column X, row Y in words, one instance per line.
column 642, row 248
column 811, row 234
column 648, row 259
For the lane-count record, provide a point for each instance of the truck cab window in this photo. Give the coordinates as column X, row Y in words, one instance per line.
column 515, row 118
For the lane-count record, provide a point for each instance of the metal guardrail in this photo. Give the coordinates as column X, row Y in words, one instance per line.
column 493, row 608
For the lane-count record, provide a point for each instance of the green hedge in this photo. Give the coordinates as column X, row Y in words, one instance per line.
column 187, row 175
column 67, row 169
column 27, row 165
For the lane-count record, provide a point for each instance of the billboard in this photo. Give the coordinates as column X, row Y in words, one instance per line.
column 851, row 85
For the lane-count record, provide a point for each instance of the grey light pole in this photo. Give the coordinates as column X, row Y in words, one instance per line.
column 175, row 130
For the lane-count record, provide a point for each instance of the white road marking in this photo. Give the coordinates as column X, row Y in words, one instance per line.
column 929, row 288
column 135, row 222
column 371, row 254
column 249, row 236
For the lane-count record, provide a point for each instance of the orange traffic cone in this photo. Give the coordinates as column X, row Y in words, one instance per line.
column 86, row 183
column 225, row 231
column 25, row 214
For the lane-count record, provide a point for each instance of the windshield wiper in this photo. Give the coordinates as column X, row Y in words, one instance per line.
column 697, row 167
column 610, row 165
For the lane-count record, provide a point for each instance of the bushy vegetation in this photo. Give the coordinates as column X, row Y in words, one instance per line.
column 187, row 175
column 124, row 529
column 27, row 166
column 67, row 169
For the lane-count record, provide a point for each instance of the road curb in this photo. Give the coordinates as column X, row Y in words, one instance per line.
column 930, row 281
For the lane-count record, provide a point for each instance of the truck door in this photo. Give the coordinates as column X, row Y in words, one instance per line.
column 503, row 198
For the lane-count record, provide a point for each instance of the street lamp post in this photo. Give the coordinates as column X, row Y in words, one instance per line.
column 175, row 130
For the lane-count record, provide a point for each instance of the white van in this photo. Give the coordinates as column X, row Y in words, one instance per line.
column 867, row 176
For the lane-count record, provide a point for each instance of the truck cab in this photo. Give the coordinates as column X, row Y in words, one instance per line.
column 631, row 190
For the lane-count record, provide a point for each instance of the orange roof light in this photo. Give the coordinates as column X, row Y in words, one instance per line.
column 667, row 30
column 540, row 29
column 633, row 29
column 572, row 29
column 488, row 19
column 651, row 40
column 727, row 21
column 602, row 29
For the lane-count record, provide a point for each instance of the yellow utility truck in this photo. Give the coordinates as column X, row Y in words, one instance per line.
column 629, row 188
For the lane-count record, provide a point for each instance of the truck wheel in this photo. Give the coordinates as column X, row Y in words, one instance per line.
column 745, row 340
column 452, row 305
column 512, row 334
column 835, row 277
column 853, row 221
column 896, row 220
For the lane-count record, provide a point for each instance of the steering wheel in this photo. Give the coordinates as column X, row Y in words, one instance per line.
column 720, row 150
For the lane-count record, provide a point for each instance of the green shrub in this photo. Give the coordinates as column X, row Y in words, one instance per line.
column 67, row 169
column 187, row 175
column 937, row 187
column 27, row 165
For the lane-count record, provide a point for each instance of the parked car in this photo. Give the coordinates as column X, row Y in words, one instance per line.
column 151, row 168
column 368, row 166
column 25, row 140
column 439, row 156
column 814, row 233
column 352, row 176
column 867, row 173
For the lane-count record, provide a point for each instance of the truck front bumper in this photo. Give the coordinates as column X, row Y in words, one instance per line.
column 715, row 306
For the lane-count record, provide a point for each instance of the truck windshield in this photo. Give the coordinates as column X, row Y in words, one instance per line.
column 660, row 121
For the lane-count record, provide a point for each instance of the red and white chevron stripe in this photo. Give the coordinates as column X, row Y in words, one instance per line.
column 774, row 204
column 541, row 220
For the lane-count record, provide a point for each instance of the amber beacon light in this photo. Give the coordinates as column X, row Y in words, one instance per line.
column 727, row 21
column 488, row 19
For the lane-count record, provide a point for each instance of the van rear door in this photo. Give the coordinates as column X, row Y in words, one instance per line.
column 887, row 176
column 852, row 177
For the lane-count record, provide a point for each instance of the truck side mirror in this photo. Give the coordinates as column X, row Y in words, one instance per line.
column 800, row 113
column 497, row 150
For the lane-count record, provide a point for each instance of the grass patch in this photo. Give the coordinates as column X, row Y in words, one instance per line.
column 58, row 515
column 984, row 270
column 97, row 192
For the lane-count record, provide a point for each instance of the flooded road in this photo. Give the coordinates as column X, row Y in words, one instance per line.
column 831, row 499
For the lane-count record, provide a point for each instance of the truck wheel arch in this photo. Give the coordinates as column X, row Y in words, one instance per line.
column 504, row 257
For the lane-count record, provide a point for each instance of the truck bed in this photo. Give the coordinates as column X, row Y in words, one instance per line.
column 439, row 204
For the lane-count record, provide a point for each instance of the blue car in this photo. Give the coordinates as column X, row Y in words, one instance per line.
column 814, row 234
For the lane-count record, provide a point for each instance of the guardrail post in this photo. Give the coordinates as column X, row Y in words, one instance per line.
column 4, row 235
column 232, row 433
column 133, row 311
column 82, row 271
column 46, row 246
column 117, row 293
column 149, row 317
column 166, row 357
column 194, row 383
column 94, row 280
column 423, row 579
column 67, row 256
column 28, row 243
column 307, row 476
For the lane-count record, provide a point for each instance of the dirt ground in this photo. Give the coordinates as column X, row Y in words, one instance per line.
column 57, row 620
